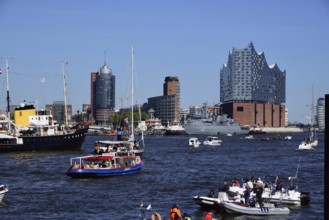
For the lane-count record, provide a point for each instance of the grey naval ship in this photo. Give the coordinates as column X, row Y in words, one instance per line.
column 211, row 123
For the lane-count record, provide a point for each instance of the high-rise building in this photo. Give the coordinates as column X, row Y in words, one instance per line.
column 251, row 91
column 102, row 94
column 167, row 107
column 320, row 114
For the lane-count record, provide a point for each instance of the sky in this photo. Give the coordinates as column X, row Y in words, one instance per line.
column 188, row 39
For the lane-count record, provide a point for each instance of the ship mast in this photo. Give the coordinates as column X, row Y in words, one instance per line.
column 132, row 93
column 8, row 100
column 65, row 93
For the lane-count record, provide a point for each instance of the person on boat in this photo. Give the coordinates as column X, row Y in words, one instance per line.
column 250, row 184
column 119, row 137
column 259, row 193
column 278, row 185
column 97, row 148
column 260, row 182
column 237, row 197
column 175, row 213
column 246, row 194
column 225, row 187
column 211, row 193
column 208, row 216
column 236, row 183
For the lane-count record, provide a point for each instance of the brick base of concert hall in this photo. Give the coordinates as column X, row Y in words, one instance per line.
column 256, row 114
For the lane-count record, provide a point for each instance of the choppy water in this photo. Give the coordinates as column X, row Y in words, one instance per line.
column 39, row 188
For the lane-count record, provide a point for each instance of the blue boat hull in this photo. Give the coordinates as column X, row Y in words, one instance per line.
column 85, row 173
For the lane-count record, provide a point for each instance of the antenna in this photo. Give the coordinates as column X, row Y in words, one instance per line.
column 104, row 57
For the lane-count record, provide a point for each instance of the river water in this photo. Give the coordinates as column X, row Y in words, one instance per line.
column 173, row 172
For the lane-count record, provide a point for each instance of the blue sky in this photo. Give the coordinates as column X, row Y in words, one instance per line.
column 188, row 39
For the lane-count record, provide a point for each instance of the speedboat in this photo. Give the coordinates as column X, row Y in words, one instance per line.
column 105, row 165
column 223, row 203
column 304, row 145
column 250, row 136
column 271, row 194
column 211, row 203
column 267, row 209
column 212, row 141
column 194, row 142
column 3, row 190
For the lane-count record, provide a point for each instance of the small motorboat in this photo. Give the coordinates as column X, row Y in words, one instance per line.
column 3, row 190
column 266, row 210
column 212, row 141
column 194, row 142
column 211, row 203
column 250, row 136
column 288, row 137
column 307, row 144
column 273, row 194
column 105, row 165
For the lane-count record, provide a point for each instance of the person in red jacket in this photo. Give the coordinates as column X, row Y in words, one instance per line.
column 208, row 216
column 175, row 213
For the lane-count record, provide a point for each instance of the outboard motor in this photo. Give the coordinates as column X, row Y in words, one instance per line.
column 305, row 198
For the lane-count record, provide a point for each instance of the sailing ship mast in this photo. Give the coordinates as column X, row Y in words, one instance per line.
column 8, row 101
column 65, row 93
column 132, row 94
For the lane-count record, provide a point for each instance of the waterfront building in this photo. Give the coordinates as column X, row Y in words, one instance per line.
column 57, row 109
column 167, row 107
column 102, row 94
column 251, row 91
column 320, row 114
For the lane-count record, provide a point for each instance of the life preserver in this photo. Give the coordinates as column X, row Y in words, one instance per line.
column 156, row 216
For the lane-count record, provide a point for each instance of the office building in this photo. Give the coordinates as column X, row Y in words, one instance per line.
column 251, row 91
column 320, row 114
column 167, row 107
column 102, row 94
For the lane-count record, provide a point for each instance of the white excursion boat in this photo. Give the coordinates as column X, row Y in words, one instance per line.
column 3, row 190
column 194, row 142
column 266, row 210
column 212, row 141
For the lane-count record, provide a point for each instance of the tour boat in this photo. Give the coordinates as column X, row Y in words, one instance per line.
column 105, row 165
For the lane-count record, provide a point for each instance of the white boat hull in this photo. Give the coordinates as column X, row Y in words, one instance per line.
column 3, row 190
column 305, row 146
column 261, row 211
